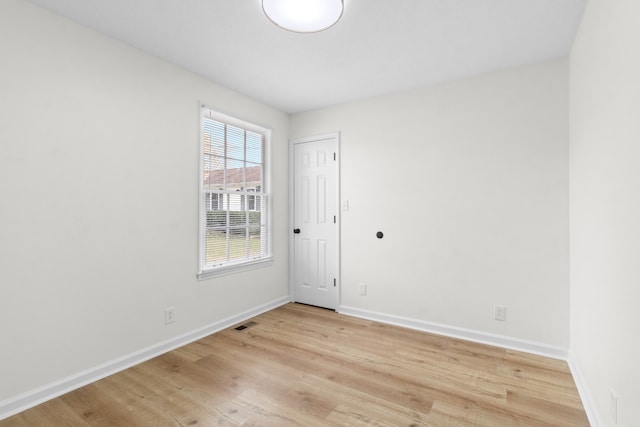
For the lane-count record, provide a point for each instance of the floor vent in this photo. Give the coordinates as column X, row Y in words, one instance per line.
column 245, row 326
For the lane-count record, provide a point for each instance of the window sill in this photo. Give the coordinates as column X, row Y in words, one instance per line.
column 235, row 268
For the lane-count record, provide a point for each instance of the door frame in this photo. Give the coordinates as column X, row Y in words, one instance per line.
column 292, row 158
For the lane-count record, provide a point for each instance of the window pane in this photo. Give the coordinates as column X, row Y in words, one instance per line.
column 235, row 205
column 213, row 137
column 216, row 218
column 237, row 243
column 254, row 175
column 216, row 247
column 214, row 173
column 254, row 147
column 254, row 241
column 235, row 143
column 235, row 179
column 254, row 218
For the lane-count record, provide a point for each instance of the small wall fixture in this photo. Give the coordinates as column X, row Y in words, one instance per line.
column 303, row 16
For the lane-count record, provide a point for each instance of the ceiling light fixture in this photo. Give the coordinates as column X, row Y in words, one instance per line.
column 303, row 16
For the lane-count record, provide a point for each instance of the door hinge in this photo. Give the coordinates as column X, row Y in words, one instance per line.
column 334, row 219
column 334, row 283
column 334, row 157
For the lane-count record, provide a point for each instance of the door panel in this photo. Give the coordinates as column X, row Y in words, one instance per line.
column 316, row 247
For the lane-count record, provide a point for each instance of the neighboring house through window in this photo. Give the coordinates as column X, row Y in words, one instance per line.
column 234, row 197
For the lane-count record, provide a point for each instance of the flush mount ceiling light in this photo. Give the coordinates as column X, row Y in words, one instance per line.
column 303, row 16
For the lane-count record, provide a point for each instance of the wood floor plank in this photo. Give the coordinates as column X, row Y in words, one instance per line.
column 52, row 413
column 303, row 366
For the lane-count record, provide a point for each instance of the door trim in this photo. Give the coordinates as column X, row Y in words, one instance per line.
column 292, row 144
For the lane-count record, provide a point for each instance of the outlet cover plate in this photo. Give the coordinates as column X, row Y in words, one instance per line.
column 169, row 315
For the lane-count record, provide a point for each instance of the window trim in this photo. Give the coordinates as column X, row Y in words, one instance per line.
column 232, row 267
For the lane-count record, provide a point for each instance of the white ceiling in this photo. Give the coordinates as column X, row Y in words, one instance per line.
column 379, row 46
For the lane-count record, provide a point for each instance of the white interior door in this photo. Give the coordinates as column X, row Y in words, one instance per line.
column 316, row 228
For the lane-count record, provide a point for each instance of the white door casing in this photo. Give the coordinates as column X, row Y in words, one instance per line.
column 315, row 229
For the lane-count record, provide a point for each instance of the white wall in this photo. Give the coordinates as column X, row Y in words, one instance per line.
column 98, row 186
column 605, row 207
column 469, row 183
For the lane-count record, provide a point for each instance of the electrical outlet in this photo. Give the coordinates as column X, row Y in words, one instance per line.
column 500, row 313
column 613, row 406
column 363, row 289
column 169, row 315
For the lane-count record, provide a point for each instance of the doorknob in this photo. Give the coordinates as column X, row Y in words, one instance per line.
column 296, row 231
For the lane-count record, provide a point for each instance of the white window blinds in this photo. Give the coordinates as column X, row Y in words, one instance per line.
column 234, row 197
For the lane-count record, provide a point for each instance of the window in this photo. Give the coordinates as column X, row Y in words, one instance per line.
column 234, row 197
column 251, row 200
column 212, row 201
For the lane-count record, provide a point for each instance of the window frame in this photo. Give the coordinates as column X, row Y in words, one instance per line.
column 229, row 267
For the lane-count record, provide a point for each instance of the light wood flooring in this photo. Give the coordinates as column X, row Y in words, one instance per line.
column 304, row 366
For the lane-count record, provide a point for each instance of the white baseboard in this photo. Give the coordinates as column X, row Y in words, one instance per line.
column 587, row 401
column 462, row 333
column 34, row 397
